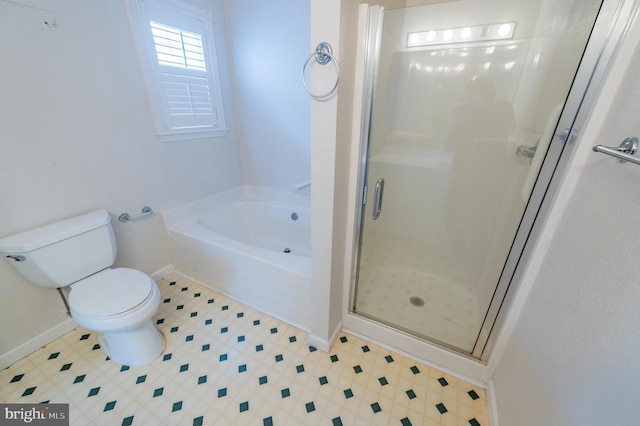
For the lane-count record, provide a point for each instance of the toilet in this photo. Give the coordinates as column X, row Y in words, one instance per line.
column 117, row 303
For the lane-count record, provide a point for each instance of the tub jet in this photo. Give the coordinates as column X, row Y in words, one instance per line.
column 287, row 250
column 416, row 301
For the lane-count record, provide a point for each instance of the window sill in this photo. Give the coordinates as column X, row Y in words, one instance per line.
column 191, row 135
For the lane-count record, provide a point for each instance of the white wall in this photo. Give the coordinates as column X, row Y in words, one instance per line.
column 325, row 313
column 270, row 44
column 76, row 135
column 573, row 356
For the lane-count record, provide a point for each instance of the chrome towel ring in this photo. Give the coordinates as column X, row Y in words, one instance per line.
column 323, row 55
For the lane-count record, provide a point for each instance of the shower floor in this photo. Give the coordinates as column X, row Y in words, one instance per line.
column 392, row 272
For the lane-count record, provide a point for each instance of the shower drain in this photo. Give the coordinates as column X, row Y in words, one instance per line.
column 416, row 301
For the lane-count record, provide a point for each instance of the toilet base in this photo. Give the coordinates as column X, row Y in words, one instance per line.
column 137, row 346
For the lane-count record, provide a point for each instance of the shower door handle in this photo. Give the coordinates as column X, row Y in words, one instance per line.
column 377, row 199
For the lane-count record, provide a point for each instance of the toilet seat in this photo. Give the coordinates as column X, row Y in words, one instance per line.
column 110, row 292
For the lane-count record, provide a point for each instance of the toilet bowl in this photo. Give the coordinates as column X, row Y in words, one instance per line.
column 117, row 303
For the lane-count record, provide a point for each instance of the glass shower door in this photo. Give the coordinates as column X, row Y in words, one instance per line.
column 466, row 100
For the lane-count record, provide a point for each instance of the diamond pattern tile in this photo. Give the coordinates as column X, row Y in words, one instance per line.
column 248, row 368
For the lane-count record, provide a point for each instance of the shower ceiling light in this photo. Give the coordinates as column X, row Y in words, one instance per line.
column 502, row 31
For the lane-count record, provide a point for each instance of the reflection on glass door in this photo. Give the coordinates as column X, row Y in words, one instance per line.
column 465, row 104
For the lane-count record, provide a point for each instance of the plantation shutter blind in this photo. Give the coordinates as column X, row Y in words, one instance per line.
column 183, row 75
column 176, row 45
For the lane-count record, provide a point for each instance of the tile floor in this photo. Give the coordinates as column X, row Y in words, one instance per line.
column 227, row 364
column 393, row 271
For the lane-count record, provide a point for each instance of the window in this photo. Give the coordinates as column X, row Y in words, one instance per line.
column 177, row 52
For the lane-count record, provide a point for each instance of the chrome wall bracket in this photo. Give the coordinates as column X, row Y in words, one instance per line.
column 126, row 217
column 625, row 152
column 323, row 53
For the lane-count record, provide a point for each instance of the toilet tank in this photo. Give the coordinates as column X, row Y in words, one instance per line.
column 64, row 252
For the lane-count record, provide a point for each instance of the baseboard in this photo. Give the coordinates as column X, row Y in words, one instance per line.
column 26, row 348
column 459, row 367
column 162, row 272
column 492, row 407
column 325, row 345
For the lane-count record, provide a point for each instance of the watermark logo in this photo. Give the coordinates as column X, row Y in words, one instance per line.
column 34, row 414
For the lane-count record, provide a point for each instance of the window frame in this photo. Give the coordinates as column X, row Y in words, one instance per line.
column 189, row 18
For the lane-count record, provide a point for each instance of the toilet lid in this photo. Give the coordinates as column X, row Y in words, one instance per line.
column 110, row 292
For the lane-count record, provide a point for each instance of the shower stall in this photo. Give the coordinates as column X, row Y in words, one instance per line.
column 468, row 108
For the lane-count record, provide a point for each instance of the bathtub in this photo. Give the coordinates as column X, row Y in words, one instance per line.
column 249, row 243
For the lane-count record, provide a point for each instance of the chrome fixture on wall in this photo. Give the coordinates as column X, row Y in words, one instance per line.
column 625, row 152
column 126, row 217
column 323, row 55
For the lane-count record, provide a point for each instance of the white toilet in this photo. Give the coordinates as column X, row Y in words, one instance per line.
column 117, row 303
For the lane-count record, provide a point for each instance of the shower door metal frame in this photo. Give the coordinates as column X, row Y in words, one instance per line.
column 609, row 30
column 373, row 38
